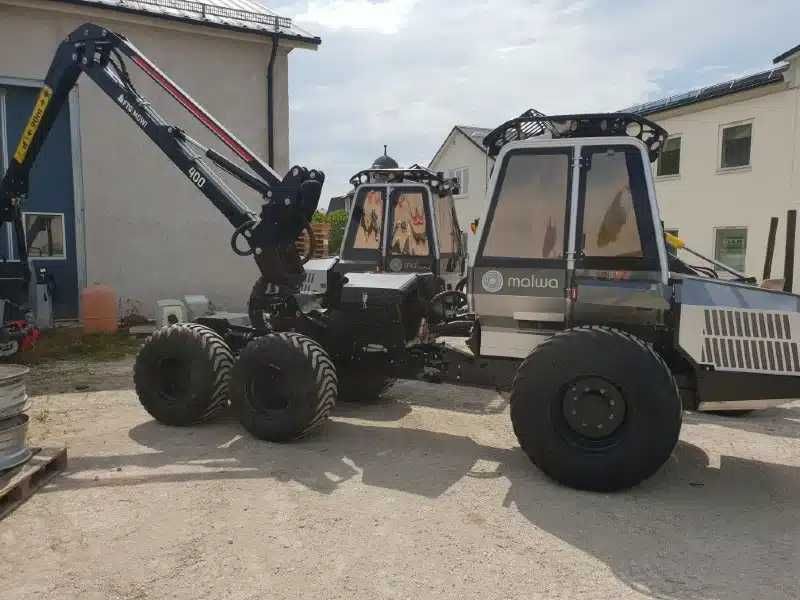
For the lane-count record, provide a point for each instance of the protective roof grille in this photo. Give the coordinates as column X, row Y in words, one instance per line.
column 713, row 91
column 532, row 123
column 415, row 174
column 240, row 14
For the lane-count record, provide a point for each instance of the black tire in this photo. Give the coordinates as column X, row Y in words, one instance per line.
column 605, row 363
column 284, row 385
column 182, row 372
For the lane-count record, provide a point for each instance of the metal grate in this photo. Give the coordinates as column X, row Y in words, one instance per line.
column 203, row 10
column 749, row 340
column 532, row 123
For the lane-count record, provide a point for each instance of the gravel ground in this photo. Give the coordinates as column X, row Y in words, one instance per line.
column 423, row 496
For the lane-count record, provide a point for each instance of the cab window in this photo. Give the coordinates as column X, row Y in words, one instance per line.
column 529, row 214
column 410, row 225
column 615, row 222
column 370, row 222
column 446, row 227
column 365, row 234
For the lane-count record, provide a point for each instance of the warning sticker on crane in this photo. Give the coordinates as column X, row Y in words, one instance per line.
column 45, row 95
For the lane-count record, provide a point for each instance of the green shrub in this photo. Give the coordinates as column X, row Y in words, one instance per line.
column 338, row 221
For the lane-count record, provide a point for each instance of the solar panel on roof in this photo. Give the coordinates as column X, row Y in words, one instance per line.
column 713, row 91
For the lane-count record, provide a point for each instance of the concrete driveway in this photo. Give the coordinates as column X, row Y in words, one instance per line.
column 423, row 496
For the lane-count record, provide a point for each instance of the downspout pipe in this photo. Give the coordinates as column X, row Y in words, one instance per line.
column 271, row 102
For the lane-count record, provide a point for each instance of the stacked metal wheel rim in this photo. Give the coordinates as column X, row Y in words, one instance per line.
column 13, row 420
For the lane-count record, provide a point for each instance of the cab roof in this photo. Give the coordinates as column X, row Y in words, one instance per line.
column 532, row 123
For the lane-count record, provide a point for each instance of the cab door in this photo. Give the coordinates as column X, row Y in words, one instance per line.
column 451, row 259
column 518, row 277
column 410, row 244
column 363, row 244
column 620, row 272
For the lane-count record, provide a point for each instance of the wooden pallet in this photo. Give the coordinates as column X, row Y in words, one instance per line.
column 20, row 483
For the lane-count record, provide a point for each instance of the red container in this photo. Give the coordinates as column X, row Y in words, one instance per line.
column 99, row 310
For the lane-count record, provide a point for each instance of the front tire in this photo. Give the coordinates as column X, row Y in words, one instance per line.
column 596, row 408
column 181, row 374
column 284, row 385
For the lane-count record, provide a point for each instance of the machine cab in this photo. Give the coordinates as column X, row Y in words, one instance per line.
column 404, row 220
column 571, row 234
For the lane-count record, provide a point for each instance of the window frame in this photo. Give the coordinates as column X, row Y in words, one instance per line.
column 661, row 177
column 719, row 228
column 720, row 146
column 447, row 200
column 348, row 251
column 63, row 232
column 451, row 174
column 514, row 261
column 394, row 192
column 4, row 163
column 643, row 212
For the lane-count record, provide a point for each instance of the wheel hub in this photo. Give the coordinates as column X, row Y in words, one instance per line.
column 593, row 407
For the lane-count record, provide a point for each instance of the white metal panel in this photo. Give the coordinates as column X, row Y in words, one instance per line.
column 741, row 340
column 508, row 344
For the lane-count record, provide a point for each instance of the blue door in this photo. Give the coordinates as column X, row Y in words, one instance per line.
column 49, row 214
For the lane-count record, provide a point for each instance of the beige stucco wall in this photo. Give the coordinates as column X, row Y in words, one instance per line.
column 459, row 151
column 148, row 232
column 704, row 197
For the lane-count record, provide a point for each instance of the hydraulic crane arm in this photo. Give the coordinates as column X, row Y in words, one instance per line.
column 101, row 54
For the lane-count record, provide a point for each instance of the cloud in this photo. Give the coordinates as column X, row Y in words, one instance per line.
column 384, row 17
column 403, row 72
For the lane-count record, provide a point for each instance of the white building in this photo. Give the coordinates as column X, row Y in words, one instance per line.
column 463, row 156
column 731, row 163
column 110, row 206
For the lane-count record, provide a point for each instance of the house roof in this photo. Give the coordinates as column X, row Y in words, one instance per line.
column 473, row 134
column 238, row 15
column 707, row 93
column 713, row 91
column 787, row 54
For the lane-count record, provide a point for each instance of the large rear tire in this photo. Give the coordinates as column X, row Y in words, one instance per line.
column 284, row 385
column 181, row 374
column 596, row 408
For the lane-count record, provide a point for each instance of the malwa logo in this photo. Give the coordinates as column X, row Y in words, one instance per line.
column 493, row 281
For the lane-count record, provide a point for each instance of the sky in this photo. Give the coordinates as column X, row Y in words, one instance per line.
column 404, row 72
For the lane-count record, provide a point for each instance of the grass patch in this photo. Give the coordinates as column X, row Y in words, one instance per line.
column 70, row 343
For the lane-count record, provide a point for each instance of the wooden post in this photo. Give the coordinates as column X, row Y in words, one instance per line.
column 788, row 263
column 773, row 228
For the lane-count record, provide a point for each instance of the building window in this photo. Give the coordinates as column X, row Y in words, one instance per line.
column 669, row 163
column 730, row 247
column 44, row 234
column 530, row 211
column 462, row 175
column 736, row 141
